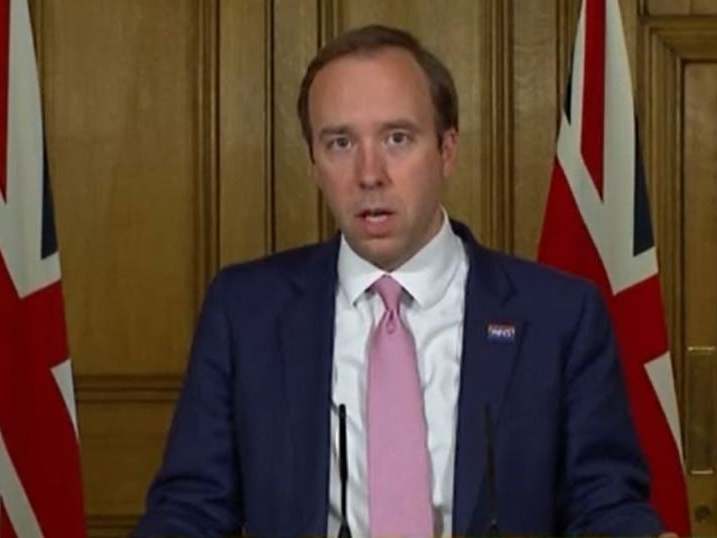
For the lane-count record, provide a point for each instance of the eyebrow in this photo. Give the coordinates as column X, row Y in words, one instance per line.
column 408, row 125
column 333, row 130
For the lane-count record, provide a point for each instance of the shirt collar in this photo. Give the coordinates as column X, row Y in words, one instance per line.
column 425, row 276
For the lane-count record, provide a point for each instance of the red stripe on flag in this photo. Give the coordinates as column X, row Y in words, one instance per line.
column 6, row 530
column 4, row 66
column 639, row 324
column 593, row 126
column 36, row 425
column 565, row 241
column 45, row 308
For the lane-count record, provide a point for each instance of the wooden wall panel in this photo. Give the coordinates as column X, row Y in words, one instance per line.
column 535, row 110
column 120, row 93
column 122, row 447
column 700, row 187
column 206, row 131
column 296, row 197
column 129, row 120
column 246, row 226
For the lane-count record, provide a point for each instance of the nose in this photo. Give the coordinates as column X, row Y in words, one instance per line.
column 371, row 167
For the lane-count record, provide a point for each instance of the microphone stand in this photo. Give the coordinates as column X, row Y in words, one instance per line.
column 344, row 530
column 493, row 529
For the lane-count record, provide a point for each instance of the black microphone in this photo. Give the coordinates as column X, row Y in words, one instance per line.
column 493, row 529
column 344, row 530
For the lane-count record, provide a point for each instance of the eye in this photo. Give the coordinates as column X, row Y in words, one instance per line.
column 398, row 138
column 338, row 143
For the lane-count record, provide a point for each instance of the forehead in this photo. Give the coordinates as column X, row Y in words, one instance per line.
column 370, row 87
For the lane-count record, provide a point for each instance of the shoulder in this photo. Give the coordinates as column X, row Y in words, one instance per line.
column 280, row 265
column 542, row 291
column 539, row 278
column 275, row 275
column 520, row 279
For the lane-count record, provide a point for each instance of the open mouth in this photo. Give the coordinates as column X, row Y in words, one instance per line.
column 375, row 215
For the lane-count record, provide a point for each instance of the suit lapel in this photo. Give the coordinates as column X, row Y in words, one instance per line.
column 491, row 340
column 306, row 335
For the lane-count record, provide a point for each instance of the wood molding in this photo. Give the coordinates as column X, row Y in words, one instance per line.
column 207, row 144
column 496, row 141
column 692, row 38
column 269, row 142
column 681, row 8
column 105, row 526
column 127, row 388
column 330, row 22
column 330, row 25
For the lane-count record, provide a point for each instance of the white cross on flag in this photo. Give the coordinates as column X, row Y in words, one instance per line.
column 597, row 224
column 40, row 485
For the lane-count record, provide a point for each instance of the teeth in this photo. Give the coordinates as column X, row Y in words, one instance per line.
column 376, row 217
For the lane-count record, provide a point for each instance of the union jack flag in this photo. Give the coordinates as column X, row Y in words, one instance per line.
column 40, row 485
column 597, row 224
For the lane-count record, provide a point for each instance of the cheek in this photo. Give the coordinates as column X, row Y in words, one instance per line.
column 329, row 181
column 422, row 186
column 336, row 193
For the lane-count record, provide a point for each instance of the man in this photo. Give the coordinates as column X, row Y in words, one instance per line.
column 481, row 392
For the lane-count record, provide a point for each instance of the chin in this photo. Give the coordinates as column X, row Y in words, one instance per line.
column 388, row 260
column 383, row 252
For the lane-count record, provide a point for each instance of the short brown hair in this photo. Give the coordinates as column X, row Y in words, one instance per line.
column 368, row 40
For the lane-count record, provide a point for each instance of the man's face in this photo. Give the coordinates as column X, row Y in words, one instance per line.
column 376, row 156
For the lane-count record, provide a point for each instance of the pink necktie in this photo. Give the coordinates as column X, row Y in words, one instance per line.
column 398, row 464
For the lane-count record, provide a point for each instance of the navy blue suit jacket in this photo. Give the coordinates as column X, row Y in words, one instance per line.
column 249, row 445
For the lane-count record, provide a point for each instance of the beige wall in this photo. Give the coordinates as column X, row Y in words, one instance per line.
column 174, row 149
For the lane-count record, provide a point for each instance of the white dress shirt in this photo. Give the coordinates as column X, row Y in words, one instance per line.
column 434, row 279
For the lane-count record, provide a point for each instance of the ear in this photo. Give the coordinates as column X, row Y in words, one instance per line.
column 449, row 150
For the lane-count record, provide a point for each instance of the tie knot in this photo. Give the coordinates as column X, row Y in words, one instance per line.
column 389, row 290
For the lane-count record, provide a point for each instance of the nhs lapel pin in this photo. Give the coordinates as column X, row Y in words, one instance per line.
column 501, row 333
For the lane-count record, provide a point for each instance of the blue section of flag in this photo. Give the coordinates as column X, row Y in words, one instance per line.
column 642, row 233
column 568, row 94
column 49, row 237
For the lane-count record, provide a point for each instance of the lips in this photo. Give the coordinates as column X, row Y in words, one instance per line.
column 375, row 221
column 375, row 215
